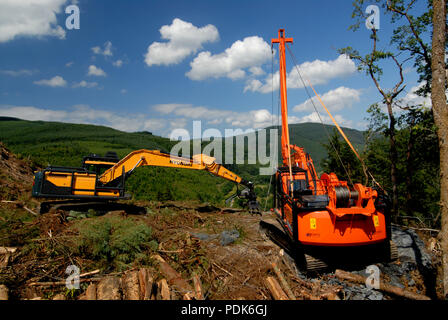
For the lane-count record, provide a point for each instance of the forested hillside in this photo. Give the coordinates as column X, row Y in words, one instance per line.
column 64, row 144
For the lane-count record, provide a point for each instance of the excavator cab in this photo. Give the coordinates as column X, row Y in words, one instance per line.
column 79, row 182
column 99, row 164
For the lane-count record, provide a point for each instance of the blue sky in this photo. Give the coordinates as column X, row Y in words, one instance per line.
column 158, row 65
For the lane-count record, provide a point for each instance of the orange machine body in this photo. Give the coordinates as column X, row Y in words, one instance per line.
column 322, row 211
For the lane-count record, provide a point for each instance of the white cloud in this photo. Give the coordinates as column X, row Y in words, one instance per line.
column 18, row 73
column 316, row 72
column 314, row 117
column 86, row 114
column 69, row 64
column 106, row 51
column 249, row 53
column 95, row 71
column 334, row 100
column 30, row 18
column 255, row 85
column 254, row 119
column 183, row 39
column 412, row 99
column 117, row 63
column 56, row 81
column 256, row 71
column 84, row 84
column 123, row 91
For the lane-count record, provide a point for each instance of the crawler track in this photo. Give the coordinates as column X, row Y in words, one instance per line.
column 52, row 206
column 311, row 259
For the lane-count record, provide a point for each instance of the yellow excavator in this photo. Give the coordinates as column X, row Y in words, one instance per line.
column 103, row 178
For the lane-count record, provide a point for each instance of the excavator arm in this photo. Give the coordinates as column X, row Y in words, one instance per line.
column 145, row 157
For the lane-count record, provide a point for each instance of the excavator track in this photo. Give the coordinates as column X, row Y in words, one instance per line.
column 67, row 205
column 393, row 251
column 312, row 260
column 273, row 229
column 314, row 264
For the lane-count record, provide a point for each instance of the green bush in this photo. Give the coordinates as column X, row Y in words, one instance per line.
column 15, row 229
column 114, row 242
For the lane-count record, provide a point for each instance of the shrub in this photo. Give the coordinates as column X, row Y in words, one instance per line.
column 114, row 242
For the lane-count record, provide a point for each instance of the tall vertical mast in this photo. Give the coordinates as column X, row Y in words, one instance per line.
column 286, row 151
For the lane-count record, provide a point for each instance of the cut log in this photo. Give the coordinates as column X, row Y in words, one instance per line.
column 308, row 296
column 173, row 277
column 31, row 211
column 146, row 282
column 59, row 283
column 187, row 296
column 344, row 275
column 91, row 292
column 221, row 268
column 130, row 286
column 198, row 287
column 6, row 250
column 164, row 290
column 330, row 296
column 109, row 289
column 91, row 273
column 275, row 289
column 283, row 281
column 59, row 296
column 4, row 260
column 303, row 283
column 4, row 292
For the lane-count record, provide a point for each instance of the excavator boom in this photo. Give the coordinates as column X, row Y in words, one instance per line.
column 145, row 157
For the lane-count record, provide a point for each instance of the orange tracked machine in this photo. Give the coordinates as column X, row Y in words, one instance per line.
column 325, row 217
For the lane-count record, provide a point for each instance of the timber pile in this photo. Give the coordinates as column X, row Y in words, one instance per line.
column 142, row 285
column 135, row 285
column 303, row 290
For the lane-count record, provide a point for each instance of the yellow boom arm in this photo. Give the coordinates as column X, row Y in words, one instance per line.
column 144, row 157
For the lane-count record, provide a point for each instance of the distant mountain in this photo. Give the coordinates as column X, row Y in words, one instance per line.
column 65, row 144
column 312, row 136
column 59, row 143
column 9, row 119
